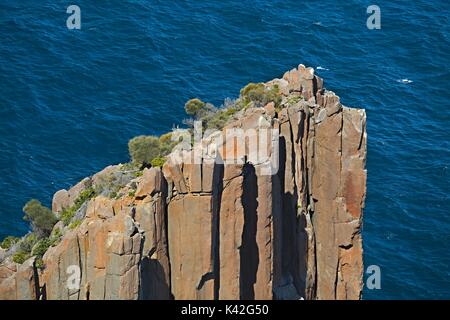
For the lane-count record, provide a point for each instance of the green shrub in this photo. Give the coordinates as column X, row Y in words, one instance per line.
column 113, row 195
column 20, row 257
column 84, row 196
column 273, row 95
column 130, row 166
column 294, row 99
column 166, row 138
column 68, row 213
column 194, row 106
column 213, row 118
column 41, row 247
column 56, row 233
column 27, row 243
column 220, row 118
column 259, row 95
column 166, row 144
column 252, row 90
column 39, row 263
column 42, row 219
column 75, row 224
column 138, row 173
column 231, row 111
column 115, row 191
column 105, row 182
column 55, row 237
column 217, row 121
column 8, row 242
column 131, row 193
column 143, row 149
column 158, row 162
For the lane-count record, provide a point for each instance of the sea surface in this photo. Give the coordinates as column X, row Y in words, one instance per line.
column 71, row 99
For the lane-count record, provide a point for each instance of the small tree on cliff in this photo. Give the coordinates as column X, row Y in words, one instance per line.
column 259, row 95
column 42, row 219
column 143, row 149
column 194, row 107
column 151, row 150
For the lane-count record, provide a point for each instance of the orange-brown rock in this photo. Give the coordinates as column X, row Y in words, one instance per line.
column 151, row 183
column 66, row 198
column 284, row 227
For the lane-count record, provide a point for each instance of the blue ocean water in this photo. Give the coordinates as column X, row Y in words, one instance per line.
column 71, row 100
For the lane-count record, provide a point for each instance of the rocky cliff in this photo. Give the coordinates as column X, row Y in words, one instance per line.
column 283, row 227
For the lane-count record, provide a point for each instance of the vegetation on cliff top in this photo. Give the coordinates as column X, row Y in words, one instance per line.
column 144, row 151
column 43, row 234
column 37, row 242
column 150, row 150
column 42, row 219
column 67, row 214
column 8, row 242
column 260, row 95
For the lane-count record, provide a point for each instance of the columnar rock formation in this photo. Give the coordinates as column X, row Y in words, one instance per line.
column 207, row 229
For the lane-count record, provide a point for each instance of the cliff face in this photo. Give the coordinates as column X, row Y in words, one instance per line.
column 210, row 230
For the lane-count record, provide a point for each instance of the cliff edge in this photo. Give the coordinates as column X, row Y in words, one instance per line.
column 283, row 226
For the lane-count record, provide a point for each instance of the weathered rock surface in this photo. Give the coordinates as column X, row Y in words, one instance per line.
column 286, row 226
column 66, row 198
column 19, row 282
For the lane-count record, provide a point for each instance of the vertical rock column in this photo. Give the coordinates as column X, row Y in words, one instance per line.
column 150, row 213
column 248, row 207
column 338, row 190
column 231, row 228
column 322, row 162
column 191, row 230
column 353, row 190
